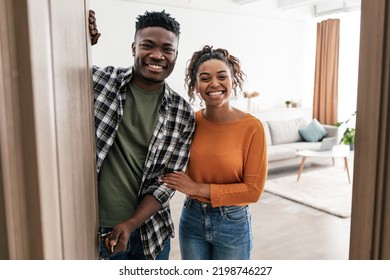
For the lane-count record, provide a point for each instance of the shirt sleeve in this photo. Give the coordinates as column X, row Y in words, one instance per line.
column 178, row 162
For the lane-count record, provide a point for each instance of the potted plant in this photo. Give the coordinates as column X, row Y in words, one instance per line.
column 349, row 138
column 288, row 103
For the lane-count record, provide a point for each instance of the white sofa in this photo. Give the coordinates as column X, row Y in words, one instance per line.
column 284, row 141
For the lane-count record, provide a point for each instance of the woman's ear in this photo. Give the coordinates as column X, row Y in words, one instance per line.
column 196, row 89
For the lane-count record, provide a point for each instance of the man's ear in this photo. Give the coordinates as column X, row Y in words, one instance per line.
column 133, row 48
column 175, row 59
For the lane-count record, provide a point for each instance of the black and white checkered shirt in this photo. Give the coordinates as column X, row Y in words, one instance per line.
column 168, row 148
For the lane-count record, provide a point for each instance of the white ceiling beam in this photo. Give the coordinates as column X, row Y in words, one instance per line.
column 290, row 4
column 159, row 2
column 242, row 2
column 328, row 8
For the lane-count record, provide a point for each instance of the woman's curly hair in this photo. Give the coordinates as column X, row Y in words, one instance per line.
column 207, row 53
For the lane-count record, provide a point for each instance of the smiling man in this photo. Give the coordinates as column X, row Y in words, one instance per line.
column 144, row 129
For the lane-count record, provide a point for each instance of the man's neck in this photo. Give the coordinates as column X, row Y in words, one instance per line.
column 146, row 85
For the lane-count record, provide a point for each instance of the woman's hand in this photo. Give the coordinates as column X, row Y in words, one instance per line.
column 183, row 183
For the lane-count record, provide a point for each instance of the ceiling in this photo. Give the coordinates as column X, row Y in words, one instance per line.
column 319, row 7
column 289, row 9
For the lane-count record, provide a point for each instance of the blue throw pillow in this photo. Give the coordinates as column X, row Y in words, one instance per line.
column 313, row 132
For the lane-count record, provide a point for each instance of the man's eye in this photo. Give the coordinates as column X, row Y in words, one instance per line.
column 169, row 50
column 146, row 46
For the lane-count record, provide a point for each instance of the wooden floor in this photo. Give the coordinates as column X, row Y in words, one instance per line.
column 286, row 230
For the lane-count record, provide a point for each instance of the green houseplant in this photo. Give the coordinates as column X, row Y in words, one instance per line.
column 348, row 137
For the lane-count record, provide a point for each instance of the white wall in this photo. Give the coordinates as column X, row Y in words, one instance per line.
column 348, row 64
column 276, row 54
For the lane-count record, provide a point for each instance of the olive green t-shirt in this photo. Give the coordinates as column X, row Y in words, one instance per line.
column 121, row 172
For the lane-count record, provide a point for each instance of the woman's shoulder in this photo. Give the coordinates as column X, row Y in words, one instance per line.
column 253, row 122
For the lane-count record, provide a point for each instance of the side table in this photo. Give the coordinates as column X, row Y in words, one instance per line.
column 338, row 151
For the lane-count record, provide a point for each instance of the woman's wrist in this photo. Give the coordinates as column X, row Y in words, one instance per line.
column 204, row 190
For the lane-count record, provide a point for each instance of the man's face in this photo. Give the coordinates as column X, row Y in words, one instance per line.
column 155, row 53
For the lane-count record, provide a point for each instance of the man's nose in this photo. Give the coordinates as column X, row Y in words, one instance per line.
column 157, row 54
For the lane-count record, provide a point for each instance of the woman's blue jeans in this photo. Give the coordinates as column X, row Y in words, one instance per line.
column 134, row 249
column 221, row 233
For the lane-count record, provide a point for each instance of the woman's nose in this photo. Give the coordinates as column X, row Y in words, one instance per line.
column 214, row 83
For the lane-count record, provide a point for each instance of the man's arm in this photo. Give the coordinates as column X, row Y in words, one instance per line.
column 155, row 198
column 178, row 161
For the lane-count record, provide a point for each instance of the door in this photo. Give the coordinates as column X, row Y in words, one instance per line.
column 47, row 167
column 370, row 221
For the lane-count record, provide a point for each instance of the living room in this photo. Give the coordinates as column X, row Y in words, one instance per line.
column 51, row 183
column 277, row 51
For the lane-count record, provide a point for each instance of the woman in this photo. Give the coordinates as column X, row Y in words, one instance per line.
column 228, row 163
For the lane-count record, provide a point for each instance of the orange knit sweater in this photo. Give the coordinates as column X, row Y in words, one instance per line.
column 231, row 157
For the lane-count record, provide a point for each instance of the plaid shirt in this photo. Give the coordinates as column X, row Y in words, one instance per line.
column 168, row 148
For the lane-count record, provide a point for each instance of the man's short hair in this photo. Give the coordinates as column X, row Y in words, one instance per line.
column 157, row 19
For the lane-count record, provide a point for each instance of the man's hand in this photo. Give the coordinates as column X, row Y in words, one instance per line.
column 93, row 32
column 117, row 240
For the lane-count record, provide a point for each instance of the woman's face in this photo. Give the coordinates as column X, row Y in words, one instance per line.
column 214, row 82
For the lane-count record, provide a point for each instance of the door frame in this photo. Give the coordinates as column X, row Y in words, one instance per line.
column 370, row 220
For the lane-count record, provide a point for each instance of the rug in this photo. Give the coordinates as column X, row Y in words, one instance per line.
column 326, row 189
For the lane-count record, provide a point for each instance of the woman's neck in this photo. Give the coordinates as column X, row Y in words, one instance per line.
column 221, row 114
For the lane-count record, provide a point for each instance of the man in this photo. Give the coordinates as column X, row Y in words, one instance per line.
column 143, row 130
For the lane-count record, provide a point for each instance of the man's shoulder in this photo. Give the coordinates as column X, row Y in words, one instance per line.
column 115, row 76
column 111, row 70
column 178, row 99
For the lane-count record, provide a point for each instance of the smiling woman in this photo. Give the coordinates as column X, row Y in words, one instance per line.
column 227, row 167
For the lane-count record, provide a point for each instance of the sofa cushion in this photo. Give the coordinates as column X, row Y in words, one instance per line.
column 267, row 133
column 286, row 131
column 299, row 146
column 276, row 153
column 313, row 132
